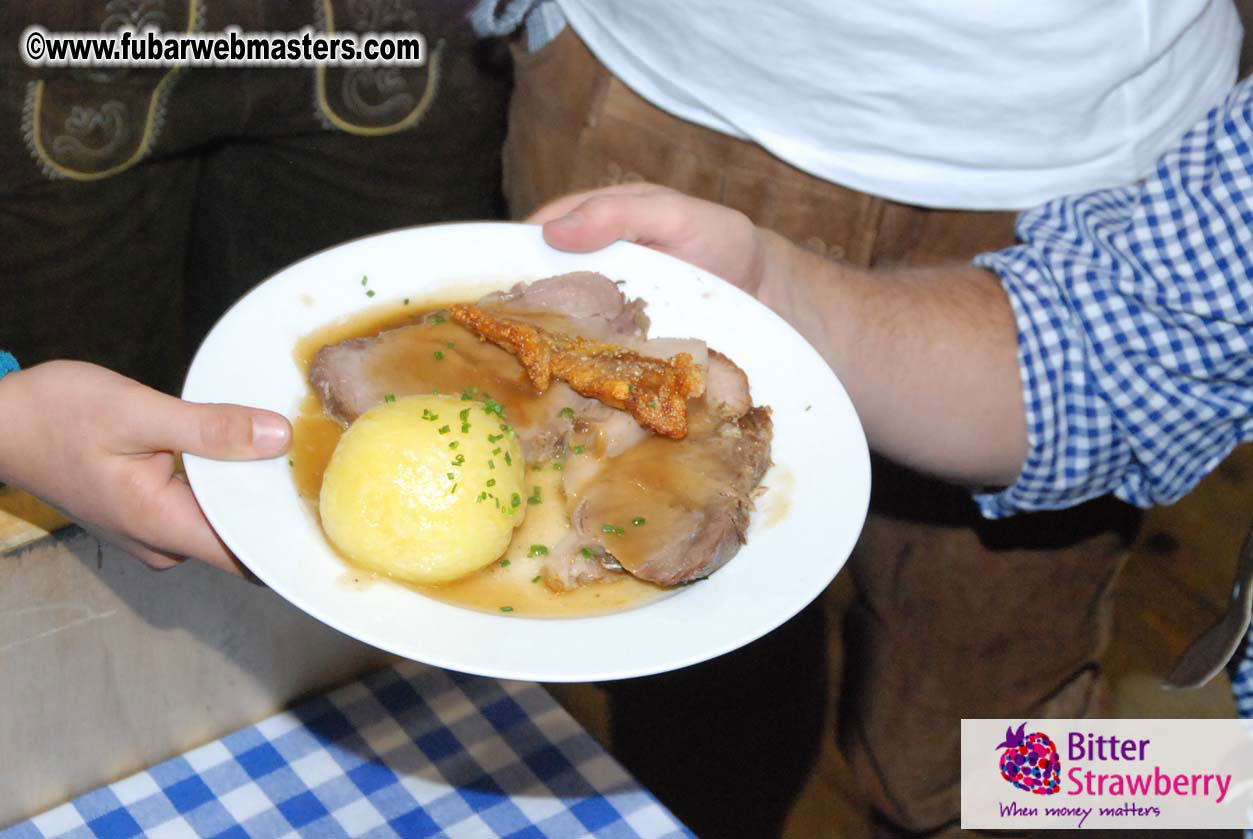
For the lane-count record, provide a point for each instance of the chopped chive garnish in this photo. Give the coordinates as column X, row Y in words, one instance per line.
column 448, row 344
column 391, row 397
column 496, row 450
column 508, row 459
column 454, row 488
column 515, row 500
column 537, row 550
column 568, row 413
column 579, row 449
column 587, row 553
column 504, row 563
column 491, row 406
column 492, row 438
column 405, row 302
column 439, row 356
column 458, row 460
column 535, row 579
column 464, row 414
column 637, row 522
column 369, row 292
column 536, row 468
column 491, row 482
column 465, row 428
column 558, row 466
column 652, row 403
column 535, row 496
column 443, row 429
column 364, row 279
column 609, row 528
column 453, row 444
column 491, row 464
column 428, row 416
column 450, row 476
column 482, row 496
column 438, row 317
column 506, row 608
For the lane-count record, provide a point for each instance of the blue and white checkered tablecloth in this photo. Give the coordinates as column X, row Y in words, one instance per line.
column 408, row 751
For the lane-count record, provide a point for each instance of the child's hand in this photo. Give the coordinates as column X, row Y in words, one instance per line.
column 101, row 448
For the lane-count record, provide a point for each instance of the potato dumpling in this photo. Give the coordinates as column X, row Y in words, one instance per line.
column 425, row 488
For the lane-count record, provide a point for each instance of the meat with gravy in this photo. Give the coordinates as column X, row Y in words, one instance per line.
column 692, row 496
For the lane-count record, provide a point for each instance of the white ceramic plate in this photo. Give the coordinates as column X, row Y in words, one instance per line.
column 804, row 529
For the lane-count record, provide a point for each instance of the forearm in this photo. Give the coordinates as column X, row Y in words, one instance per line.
column 928, row 356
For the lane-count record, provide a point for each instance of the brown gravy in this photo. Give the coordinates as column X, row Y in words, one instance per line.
column 648, row 499
column 511, row 583
column 655, row 489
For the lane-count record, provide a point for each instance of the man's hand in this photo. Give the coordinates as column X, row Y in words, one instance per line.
column 102, row 447
column 710, row 236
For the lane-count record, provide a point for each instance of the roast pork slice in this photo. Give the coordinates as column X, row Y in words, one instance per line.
column 674, row 511
column 340, row 376
column 726, row 387
column 590, row 298
column 352, row 376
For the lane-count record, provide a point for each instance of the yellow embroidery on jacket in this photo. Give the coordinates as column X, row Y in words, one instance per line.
column 410, row 118
column 147, row 137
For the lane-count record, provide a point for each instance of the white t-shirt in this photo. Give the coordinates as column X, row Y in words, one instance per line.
column 978, row 104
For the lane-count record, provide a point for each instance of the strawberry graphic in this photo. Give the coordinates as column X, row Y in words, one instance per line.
column 1030, row 761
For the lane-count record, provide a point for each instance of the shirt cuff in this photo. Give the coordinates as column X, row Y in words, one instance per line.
column 8, row 364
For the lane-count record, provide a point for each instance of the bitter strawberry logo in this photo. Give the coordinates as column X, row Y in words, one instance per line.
column 1030, row 762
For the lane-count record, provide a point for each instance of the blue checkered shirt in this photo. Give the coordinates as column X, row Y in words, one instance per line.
column 1135, row 330
column 1135, row 321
